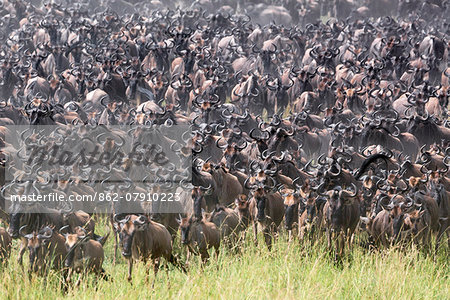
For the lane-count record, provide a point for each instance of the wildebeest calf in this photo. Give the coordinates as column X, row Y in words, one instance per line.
column 84, row 254
column 199, row 236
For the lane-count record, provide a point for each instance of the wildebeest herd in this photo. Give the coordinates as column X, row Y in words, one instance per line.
column 335, row 127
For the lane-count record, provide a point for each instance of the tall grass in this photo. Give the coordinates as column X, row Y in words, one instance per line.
column 289, row 271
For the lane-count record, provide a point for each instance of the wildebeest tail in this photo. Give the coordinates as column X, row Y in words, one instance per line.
column 368, row 161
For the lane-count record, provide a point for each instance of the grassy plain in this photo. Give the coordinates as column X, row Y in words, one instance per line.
column 289, row 271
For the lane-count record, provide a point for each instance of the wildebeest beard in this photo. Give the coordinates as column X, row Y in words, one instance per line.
column 261, row 205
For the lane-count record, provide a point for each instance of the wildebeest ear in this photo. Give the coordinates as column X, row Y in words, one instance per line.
column 179, row 219
column 387, row 206
column 365, row 220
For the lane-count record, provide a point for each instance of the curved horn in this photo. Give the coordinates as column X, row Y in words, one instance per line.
column 355, row 190
column 221, row 147
column 338, row 166
column 63, row 229
column 140, row 221
column 48, row 233
column 21, row 230
column 123, row 221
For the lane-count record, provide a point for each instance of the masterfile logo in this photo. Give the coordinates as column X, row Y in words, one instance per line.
column 98, row 168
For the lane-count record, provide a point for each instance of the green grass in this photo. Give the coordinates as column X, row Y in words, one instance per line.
column 289, row 271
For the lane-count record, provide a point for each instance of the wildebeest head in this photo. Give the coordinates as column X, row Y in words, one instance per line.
column 279, row 139
column 37, row 243
column 331, row 177
column 242, row 205
column 261, row 199
column 185, row 229
column 233, row 155
column 259, row 187
column 397, row 215
column 127, row 228
column 198, row 193
column 414, row 220
column 291, row 202
column 259, row 193
column 312, row 206
column 335, row 207
column 72, row 241
column 338, row 199
column 14, row 224
column 40, row 112
column 369, row 190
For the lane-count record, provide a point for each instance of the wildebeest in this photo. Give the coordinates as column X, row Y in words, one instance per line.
column 5, row 245
column 341, row 212
column 266, row 209
column 46, row 249
column 259, row 97
column 227, row 220
column 31, row 218
column 80, row 218
column 199, row 236
column 84, row 254
column 143, row 239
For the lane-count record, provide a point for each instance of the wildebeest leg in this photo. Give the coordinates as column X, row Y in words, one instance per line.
column 216, row 248
column 82, row 276
column 204, row 255
column 23, row 247
column 102, row 274
column 130, row 269
column 300, row 233
column 166, row 267
column 448, row 238
column 188, row 255
column 155, row 270
column 427, row 239
column 115, row 233
column 66, row 275
column 268, row 237
column 116, row 243
column 174, row 261
column 255, row 233
column 442, row 230
column 385, row 240
column 69, row 274
column 239, row 242
column 350, row 237
column 147, row 269
column 329, row 234
column 340, row 244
